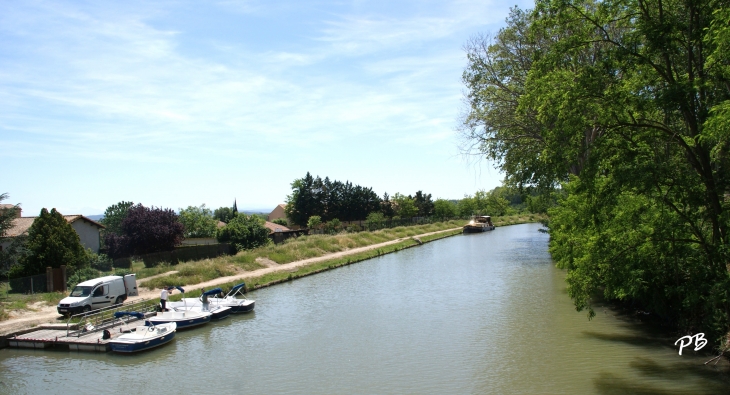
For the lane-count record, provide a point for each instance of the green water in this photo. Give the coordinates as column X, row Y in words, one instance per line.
column 472, row 314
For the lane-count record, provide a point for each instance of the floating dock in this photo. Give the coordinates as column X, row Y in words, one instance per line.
column 51, row 336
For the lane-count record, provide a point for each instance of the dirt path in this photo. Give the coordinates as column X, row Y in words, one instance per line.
column 45, row 314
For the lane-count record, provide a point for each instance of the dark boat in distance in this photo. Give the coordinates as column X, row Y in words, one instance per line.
column 480, row 223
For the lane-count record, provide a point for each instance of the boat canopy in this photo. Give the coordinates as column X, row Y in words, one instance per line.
column 213, row 291
column 237, row 287
column 120, row 314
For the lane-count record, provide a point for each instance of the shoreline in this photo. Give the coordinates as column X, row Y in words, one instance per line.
column 256, row 279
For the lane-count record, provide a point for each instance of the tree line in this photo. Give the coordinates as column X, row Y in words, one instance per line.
column 619, row 110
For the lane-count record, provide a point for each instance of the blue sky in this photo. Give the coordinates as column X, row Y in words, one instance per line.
column 179, row 103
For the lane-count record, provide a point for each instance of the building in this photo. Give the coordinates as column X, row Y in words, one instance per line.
column 277, row 213
column 89, row 231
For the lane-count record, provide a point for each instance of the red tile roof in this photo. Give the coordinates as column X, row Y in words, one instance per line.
column 22, row 224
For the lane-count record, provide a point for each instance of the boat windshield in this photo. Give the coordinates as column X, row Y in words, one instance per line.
column 81, row 291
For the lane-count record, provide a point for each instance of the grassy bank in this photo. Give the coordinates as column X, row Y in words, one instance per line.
column 315, row 246
column 292, row 250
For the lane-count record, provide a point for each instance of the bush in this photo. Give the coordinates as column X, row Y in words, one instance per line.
column 244, row 232
column 280, row 221
column 99, row 261
column 81, row 275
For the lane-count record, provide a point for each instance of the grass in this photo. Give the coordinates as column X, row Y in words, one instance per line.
column 292, row 250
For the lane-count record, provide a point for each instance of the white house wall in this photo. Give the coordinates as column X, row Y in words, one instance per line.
column 88, row 234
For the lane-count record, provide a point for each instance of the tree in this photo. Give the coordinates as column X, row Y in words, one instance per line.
column 244, row 232
column 314, row 222
column 625, row 105
column 443, row 208
column 280, row 221
column 226, row 214
column 198, row 222
column 404, row 206
column 145, row 230
column 114, row 215
column 51, row 242
column 10, row 254
column 424, row 204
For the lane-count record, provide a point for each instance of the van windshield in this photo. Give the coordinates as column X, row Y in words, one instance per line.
column 81, row 291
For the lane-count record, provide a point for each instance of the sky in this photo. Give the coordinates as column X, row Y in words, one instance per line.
column 181, row 103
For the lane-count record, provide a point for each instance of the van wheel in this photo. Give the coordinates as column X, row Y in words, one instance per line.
column 119, row 300
column 87, row 308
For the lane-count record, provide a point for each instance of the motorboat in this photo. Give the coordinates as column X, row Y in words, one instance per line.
column 143, row 337
column 183, row 318
column 231, row 299
column 480, row 223
column 217, row 309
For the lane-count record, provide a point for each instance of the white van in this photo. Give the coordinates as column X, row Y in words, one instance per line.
column 98, row 293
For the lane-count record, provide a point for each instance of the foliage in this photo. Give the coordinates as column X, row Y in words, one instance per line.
column 333, row 226
column 404, row 206
column 51, row 242
column 375, row 220
column 314, row 222
column 99, row 262
column 443, row 208
column 224, row 214
column 114, row 215
column 280, row 221
column 244, row 232
column 198, row 222
column 81, row 275
column 145, row 230
column 423, row 204
column 626, row 105
column 9, row 255
column 329, row 199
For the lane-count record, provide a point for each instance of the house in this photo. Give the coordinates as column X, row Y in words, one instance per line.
column 89, row 231
column 279, row 212
column 273, row 228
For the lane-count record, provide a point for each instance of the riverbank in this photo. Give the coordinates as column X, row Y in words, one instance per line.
column 261, row 275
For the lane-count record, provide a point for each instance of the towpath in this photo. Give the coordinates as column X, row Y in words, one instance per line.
column 45, row 314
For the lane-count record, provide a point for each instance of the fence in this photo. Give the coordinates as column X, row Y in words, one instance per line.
column 186, row 253
column 25, row 285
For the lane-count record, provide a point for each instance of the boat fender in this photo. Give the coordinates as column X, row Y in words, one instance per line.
column 106, row 335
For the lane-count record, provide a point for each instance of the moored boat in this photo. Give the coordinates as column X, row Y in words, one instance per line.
column 143, row 337
column 242, row 305
column 217, row 310
column 183, row 318
column 481, row 223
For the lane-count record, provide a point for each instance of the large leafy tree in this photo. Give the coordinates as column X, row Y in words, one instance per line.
column 624, row 103
column 10, row 254
column 224, row 214
column 114, row 215
column 329, row 200
column 51, row 242
column 145, row 230
column 244, row 232
column 198, row 221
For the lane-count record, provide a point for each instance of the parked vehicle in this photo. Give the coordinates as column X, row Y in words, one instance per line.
column 98, row 293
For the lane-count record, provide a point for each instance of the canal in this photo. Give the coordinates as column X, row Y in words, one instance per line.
column 472, row 314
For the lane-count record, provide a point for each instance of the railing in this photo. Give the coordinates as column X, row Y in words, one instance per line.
column 104, row 318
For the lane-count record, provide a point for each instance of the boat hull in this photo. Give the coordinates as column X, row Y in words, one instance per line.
column 184, row 319
column 144, row 338
column 125, row 347
column 477, row 229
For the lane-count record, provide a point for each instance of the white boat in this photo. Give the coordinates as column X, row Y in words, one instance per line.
column 242, row 305
column 183, row 318
column 143, row 337
column 217, row 310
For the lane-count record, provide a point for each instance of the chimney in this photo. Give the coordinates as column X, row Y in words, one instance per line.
column 20, row 211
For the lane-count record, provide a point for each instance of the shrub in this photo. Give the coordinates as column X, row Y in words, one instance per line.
column 99, row 261
column 244, row 232
column 81, row 275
